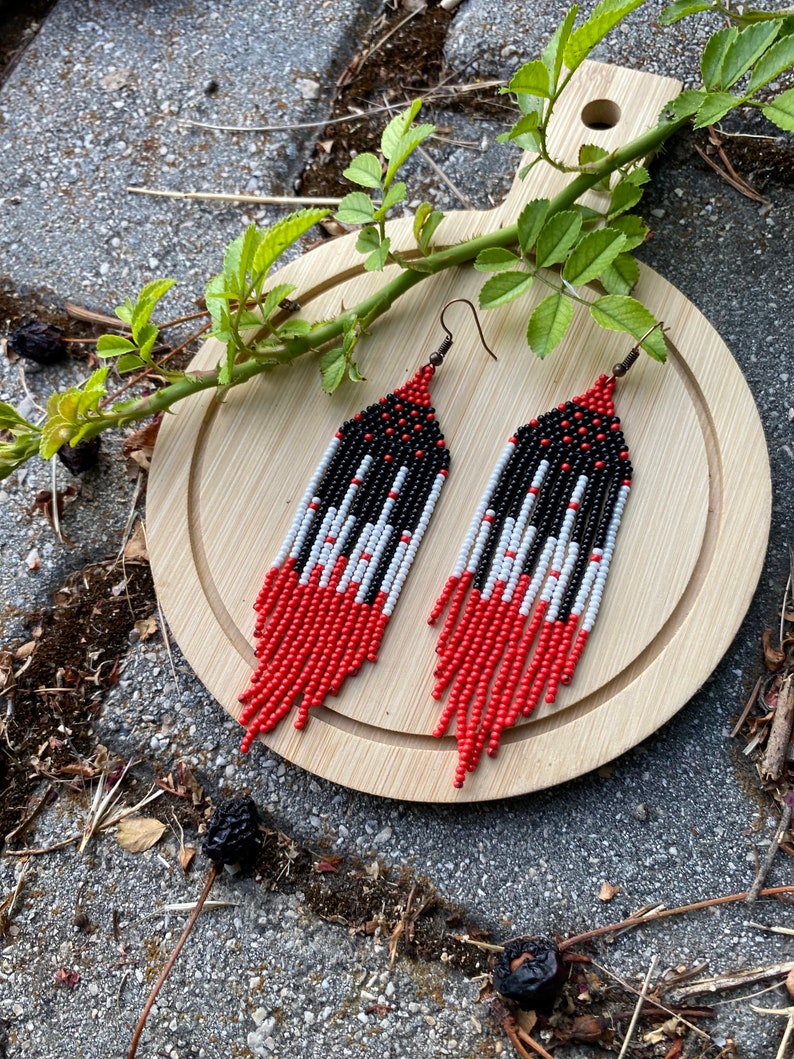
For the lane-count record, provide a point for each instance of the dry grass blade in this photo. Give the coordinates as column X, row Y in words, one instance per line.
column 221, row 196
column 635, row 1018
column 99, row 818
column 732, row 980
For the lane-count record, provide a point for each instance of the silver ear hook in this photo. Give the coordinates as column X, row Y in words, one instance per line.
column 437, row 356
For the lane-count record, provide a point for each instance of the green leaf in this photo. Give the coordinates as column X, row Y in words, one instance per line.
column 155, row 290
column 368, row 240
column 621, row 276
column 750, row 45
column 605, row 17
column 355, row 208
column 524, row 133
column 129, row 362
column 553, row 52
column 217, row 298
column 625, row 194
column 294, row 328
column 125, row 311
column 397, row 128
column 426, row 220
column 113, row 346
column 495, row 260
column 395, row 194
column 353, row 372
column 406, row 147
column 531, row 79
column 238, row 259
column 618, row 312
column 681, row 8
column 378, row 258
column 365, row 170
column 557, row 236
column 779, row 58
column 333, row 365
column 146, row 338
column 589, row 153
column 503, row 288
column 781, row 110
column 683, row 106
column 283, row 234
column 714, row 55
column 715, row 106
column 274, row 297
column 530, row 221
column 548, row 323
column 634, row 228
column 10, row 419
column 592, row 254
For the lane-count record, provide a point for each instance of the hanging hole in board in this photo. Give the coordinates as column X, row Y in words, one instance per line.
column 601, row 114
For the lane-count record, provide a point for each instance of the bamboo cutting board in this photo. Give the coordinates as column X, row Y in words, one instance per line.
column 226, row 477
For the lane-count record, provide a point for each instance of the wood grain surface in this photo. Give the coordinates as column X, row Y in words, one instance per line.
column 225, row 479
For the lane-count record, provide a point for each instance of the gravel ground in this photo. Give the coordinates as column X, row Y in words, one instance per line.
column 94, row 106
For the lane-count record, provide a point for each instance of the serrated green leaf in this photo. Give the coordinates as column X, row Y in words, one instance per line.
column 530, row 221
column 531, row 79
column 495, row 259
column 634, row 228
column 113, row 346
column 294, row 328
column 397, row 128
column 154, row 291
column 625, row 195
column 621, row 276
column 10, row 418
column 238, row 259
column 128, row 362
column 548, row 323
column 590, row 153
column 406, row 147
column 274, row 297
column 353, row 372
column 715, row 106
column 426, row 221
column 781, row 110
column 146, row 338
column 553, row 52
column 355, row 208
column 283, row 234
column 779, row 58
column 618, row 312
column 592, row 254
column 556, row 237
column 681, row 8
column 714, row 55
column 683, row 106
column 365, row 169
column 216, row 297
column 750, row 45
column 332, row 369
column 125, row 311
column 524, row 133
column 368, row 240
column 503, row 288
column 605, row 17
column 395, row 194
column 378, row 258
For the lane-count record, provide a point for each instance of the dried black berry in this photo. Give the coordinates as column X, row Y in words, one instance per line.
column 38, row 341
column 80, row 457
column 233, row 832
column 531, row 973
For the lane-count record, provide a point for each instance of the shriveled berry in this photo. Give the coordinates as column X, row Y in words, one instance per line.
column 38, row 341
column 531, row 973
column 80, row 457
column 233, row 832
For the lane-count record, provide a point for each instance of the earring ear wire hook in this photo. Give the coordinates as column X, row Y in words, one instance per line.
column 619, row 370
column 437, row 357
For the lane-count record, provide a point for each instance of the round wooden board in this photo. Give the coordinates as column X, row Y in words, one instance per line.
column 225, row 479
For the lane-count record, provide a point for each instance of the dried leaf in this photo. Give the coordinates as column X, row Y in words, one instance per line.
column 6, row 670
column 607, row 891
column 330, row 864
column 65, row 978
column 25, row 651
column 139, row 446
column 774, row 658
column 790, row 983
column 145, row 628
column 186, row 855
column 135, row 548
column 139, row 833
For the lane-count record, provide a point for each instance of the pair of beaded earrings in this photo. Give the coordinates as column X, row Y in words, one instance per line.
column 524, row 593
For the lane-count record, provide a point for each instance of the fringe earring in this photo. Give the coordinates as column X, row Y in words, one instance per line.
column 328, row 597
column 526, row 589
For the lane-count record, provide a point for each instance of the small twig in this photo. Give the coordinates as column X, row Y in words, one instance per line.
column 732, row 980
column 747, row 707
column 466, row 202
column 774, row 845
column 221, row 196
column 25, row 823
column 780, row 732
column 635, row 1018
column 213, row 874
column 31, row 852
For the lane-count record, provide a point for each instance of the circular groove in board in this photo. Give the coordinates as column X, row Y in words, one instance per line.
column 226, row 477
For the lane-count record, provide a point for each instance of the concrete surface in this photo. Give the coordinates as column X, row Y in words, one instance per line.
column 93, row 107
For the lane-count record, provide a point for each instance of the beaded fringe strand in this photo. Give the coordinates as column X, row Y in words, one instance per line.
column 326, row 600
column 525, row 591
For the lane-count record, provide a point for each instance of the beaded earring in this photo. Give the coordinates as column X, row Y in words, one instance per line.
column 525, row 591
column 328, row 597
